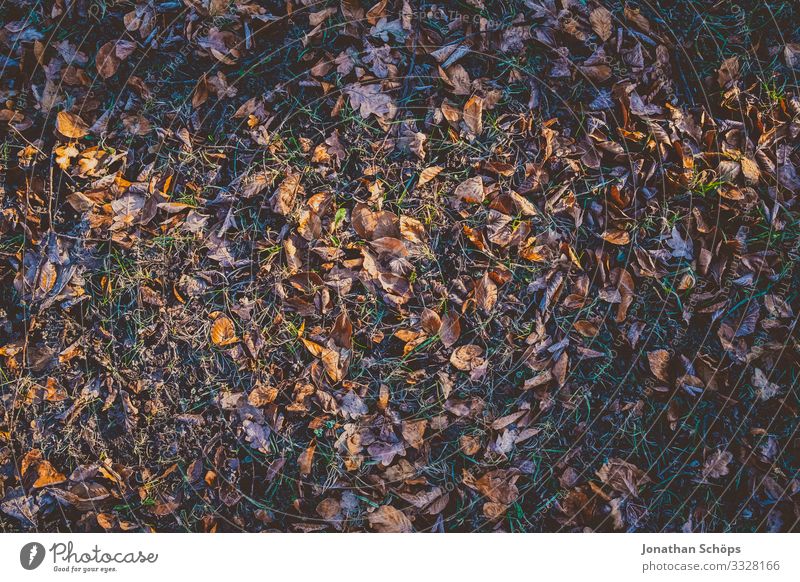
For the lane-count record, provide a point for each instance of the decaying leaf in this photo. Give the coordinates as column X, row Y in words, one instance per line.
column 765, row 388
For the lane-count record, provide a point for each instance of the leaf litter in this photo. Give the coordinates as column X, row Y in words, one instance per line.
column 523, row 266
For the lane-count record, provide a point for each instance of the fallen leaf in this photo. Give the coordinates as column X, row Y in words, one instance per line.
column 70, row 125
column 450, row 329
column 659, row 364
column 765, row 389
column 600, row 19
column 467, row 358
column 305, row 460
column 429, row 174
column 616, row 237
column 223, row 332
column 716, row 464
column 473, row 114
column 387, row 519
column 370, row 100
column 471, row 190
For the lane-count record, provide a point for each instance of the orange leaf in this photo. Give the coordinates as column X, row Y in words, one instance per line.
column 616, row 237
column 222, row 331
column 586, row 328
column 70, row 125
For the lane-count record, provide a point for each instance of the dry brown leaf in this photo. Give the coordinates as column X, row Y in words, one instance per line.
column 473, row 114
column 106, row 60
column 387, row 519
column 499, row 486
column 285, row 195
column 352, row 11
column 428, row 174
column 111, row 54
column 450, row 330
column 635, row 16
column 70, row 125
column 317, row 18
column 370, row 100
column 372, row 225
column 616, row 237
column 471, row 190
column 492, row 510
column 470, row 444
column 728, row 72
column 413, row 432
column 586, row 328
column 467, row 358
column 623, row 477
column 659, row 364
column 486, row 293
column 730, row 192
column 47, row 475
column 331, row 359
column 601, row 21
column 597, row 73
column 39, row 472
column 750, row 170
column 305, row 460
column 561, row 368
column 430, row 321
column 377, row 12
column 412, row 230
column 329, row 509
column 342, row 331
column 262, row 395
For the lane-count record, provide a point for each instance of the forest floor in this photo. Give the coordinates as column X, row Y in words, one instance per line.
column 330, row 266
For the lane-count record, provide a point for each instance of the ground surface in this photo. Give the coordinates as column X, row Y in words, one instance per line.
column 300, row 266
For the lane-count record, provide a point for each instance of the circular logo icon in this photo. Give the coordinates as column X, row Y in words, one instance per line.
column 31, row 555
